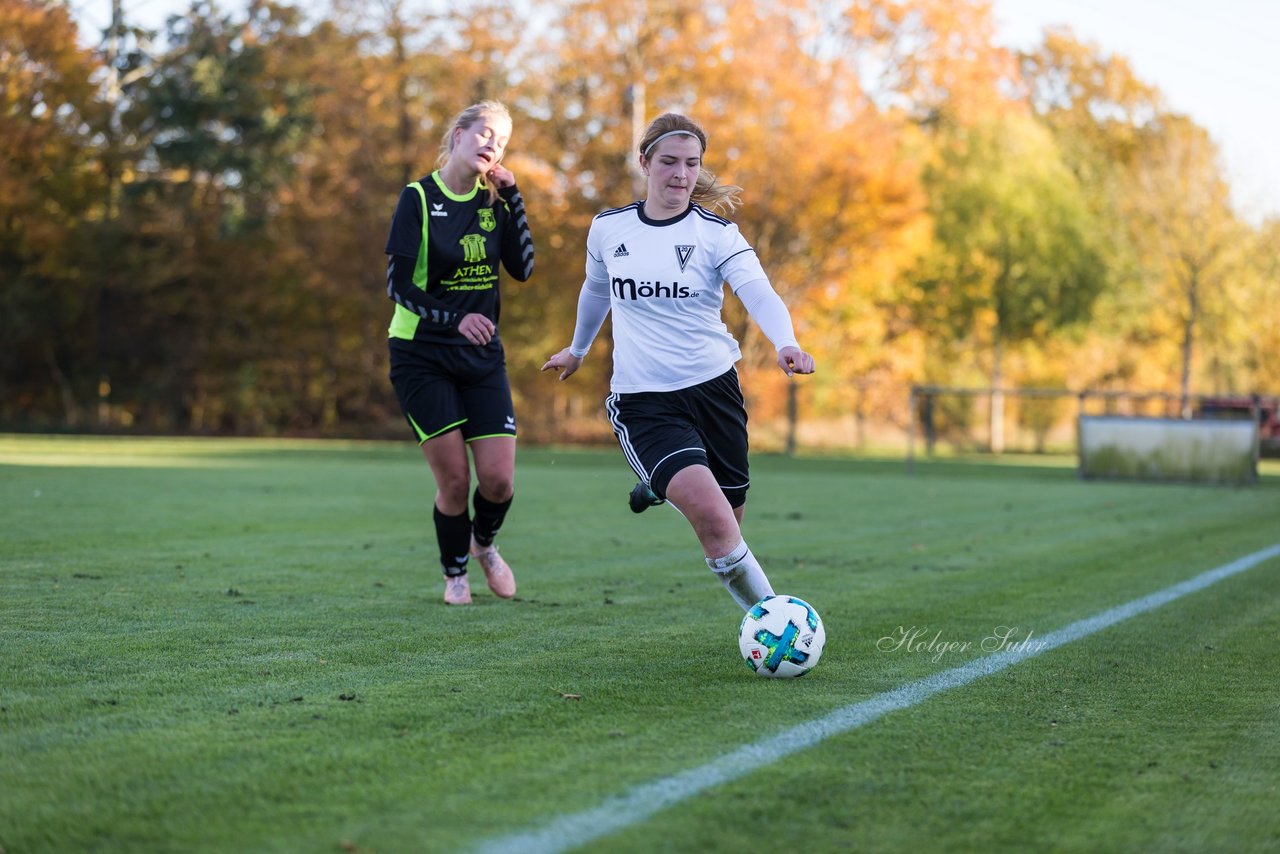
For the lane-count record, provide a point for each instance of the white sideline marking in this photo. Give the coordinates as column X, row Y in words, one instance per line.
column 577, row 829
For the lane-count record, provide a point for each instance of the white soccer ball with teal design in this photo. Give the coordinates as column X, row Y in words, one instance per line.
column 781, row 636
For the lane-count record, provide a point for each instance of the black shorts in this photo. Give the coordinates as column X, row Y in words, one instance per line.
column 662, row 432
column 442, row 388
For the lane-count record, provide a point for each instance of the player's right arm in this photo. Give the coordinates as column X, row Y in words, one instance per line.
column 402, row 291
column 593, row 307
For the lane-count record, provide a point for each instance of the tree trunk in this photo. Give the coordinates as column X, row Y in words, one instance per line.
column 792, row 418
column 70, row 410
column 997, row 395
column 1188, row 339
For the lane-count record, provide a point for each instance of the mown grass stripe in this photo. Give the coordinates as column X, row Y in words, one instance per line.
column 576, row 829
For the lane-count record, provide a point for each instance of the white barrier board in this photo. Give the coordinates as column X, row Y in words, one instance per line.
column 1197, row 450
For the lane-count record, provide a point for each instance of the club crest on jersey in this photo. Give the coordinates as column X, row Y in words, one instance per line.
column 487, row 222
column 683, row 253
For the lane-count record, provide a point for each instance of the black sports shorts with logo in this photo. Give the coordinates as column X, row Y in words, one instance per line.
column 442, row 388
column 662, row 432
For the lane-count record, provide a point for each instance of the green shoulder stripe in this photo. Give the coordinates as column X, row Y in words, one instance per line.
column 404, row 323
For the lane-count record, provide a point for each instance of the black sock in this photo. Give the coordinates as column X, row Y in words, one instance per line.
column 489, row 518
column 453, row 533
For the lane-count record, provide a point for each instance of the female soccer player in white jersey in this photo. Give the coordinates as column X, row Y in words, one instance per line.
column 675, row 404
column 450, row 231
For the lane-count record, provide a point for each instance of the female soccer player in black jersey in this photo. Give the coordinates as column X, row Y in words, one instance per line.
column 449, row 232
column 675, row 404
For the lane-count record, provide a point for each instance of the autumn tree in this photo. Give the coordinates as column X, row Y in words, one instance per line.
column 1098, row 111
column 51, row 186
column 931, row 59
column 832, row 200
column 1016, row 253
column 1180, row 211
column 195, row 312
column 1253, row 344
column 1094, row 103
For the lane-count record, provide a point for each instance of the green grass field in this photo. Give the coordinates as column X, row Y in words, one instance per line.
column 211, row 645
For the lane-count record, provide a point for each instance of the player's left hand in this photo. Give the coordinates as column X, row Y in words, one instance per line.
column 793, row 360
column 501, row 176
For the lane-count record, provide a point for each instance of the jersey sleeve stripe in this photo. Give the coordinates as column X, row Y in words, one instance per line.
column 709, row 216
column 516, row 206
column 734, row 255
column 611, row 211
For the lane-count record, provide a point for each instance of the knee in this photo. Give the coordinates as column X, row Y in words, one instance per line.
column 498, row 487
column 720, row 528
column 714, row 522
column 453, row 486
column 717, row 537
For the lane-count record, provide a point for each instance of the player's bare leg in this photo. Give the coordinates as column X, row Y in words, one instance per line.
column 694, row 492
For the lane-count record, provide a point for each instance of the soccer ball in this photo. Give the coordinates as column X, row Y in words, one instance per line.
column 781, row 636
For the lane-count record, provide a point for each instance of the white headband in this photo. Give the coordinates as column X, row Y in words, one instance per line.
column 672, row 133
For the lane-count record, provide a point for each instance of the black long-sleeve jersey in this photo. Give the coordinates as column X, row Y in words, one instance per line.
column 444, row 251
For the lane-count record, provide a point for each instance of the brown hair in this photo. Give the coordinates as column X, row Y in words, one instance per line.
column 466, row 119
column 705, row 191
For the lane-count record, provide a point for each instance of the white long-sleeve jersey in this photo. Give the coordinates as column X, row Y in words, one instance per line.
column 665, row 284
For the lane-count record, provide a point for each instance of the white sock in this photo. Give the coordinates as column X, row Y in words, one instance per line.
column 742, row 575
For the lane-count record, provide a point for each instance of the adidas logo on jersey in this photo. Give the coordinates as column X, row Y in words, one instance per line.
column 621, row 251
